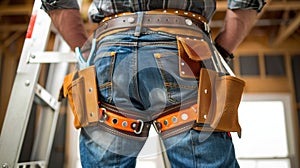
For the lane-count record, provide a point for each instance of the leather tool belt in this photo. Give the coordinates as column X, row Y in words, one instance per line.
column 219, row 95
column 166, row 122
column 216, row 109
column 159, row 19
column 81, row 89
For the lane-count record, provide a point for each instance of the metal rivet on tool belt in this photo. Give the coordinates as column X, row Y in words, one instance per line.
column 105, row 25
column 166, row 122
column 174, row 119
column 205, row 91
column 184, row 116
column 91, row 114
column 188, row 22
column 130, row 19
column 105, row 117
column 133, row 125
column 182, row 64
column 183, row 72
column 124, row 124
column 90, row 89
column 204, row 116
column 115, row 121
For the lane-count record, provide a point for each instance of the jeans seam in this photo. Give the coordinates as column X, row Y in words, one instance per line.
column 193, row 148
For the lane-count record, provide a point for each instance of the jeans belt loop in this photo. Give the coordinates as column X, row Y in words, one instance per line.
column 139, row 23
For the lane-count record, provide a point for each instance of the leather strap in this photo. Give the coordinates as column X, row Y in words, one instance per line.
column 152, row 20
column 181, row 13
column 176, row 119
column 120, row 122
column 165, row 11
column 138, row 127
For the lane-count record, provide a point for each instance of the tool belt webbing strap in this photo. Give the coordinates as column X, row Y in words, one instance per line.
column 216, row 109
column 80, row 86
column 136, row 126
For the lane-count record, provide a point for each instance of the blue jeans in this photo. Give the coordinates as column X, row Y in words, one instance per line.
column 141, row 74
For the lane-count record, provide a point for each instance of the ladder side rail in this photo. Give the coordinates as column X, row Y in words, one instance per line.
column 44, row 141
column 61, row 56
column 22, row 95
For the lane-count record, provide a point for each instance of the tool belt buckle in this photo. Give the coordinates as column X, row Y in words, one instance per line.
column 102, row 115
column 107, row 118
column 157, row 126
column 140, row 128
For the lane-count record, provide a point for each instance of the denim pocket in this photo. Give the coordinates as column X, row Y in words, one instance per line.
column 166, row 63
column 178, row 88
column 104, row 64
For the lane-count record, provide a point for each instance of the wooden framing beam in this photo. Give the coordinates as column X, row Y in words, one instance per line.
column 271, row 6
column 285, row 5
column 12, row 38
column 268, row 2
column 15, row 10
column 288, row 31
column 13, row 27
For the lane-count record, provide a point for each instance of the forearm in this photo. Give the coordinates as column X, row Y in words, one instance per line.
column 236, row 27
column 70, row 25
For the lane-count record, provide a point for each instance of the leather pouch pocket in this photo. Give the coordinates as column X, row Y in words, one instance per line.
column 191, row 52
column 81, row 89
column 219, row 98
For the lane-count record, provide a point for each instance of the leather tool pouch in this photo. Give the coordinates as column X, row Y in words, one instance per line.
column 81, row 89
column 191, row 52
column 219, row 98
column 219, row 95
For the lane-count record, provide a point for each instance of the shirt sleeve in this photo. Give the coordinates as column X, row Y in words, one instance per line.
column 48, row 5
column 246, row 4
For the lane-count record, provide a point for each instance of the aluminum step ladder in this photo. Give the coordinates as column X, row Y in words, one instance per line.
column 27, row 91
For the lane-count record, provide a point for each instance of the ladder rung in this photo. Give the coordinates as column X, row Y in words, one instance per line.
column 34, row 164
column 51, row 57
column 46, row 97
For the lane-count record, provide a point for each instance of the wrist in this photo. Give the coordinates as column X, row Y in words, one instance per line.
column 224, row 53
